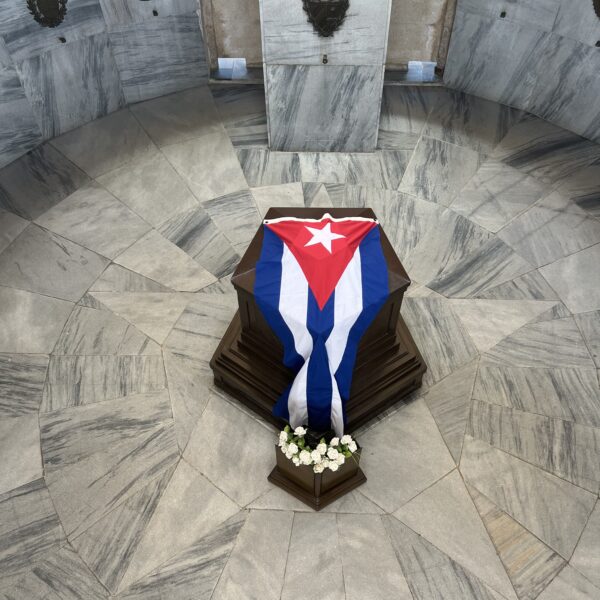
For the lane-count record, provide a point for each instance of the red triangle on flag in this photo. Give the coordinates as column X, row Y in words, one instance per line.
column 323, row 247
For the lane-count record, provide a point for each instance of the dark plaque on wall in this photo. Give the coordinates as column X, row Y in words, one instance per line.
column 326, row 16
column 48, row 13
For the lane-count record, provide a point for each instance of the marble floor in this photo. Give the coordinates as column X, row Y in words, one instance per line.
column 124, row 473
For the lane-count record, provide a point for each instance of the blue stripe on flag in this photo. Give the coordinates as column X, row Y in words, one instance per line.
column 375, row 291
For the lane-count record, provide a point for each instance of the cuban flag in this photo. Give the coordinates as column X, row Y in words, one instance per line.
column 319, row 284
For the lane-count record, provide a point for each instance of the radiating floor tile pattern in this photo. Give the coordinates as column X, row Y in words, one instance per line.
column 126, row 474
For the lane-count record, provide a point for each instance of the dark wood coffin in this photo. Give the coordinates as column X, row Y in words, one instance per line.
column 248, row 362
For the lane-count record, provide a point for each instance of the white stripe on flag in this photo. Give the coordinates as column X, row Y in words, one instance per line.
column 293, row 307
column 348, row 305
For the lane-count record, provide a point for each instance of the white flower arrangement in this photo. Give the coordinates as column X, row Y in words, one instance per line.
column 325, row 456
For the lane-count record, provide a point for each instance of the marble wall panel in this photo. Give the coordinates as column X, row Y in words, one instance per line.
column 577, row 20
column 72, row 84
column 323, row 108
column 126, row 12
column 160, row 56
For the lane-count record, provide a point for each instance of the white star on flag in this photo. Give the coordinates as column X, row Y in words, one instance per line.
column 323, row 236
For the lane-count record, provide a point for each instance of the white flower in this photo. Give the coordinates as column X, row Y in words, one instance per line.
column 332, row 453
column 346, row 439
column 300, row 431
column 340, row 460
column 316, row 456
column 293, row 448
column 289, row 454
column 319, row 468
column 333, row 466
column 334, row 441
column 283, row 437
column 284, row 447
column 296, row 460
column 352, row 446
column 305, row 457
column 325, row 463
column 322, row 448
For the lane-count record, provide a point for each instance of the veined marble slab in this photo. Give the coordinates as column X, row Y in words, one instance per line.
column 126, row 12
column 263, row 167
column 578, row 21
column 530, row 286
column 57, row 103
column 324, row 167
column 22, row 379
column 120, row 279
column 315, row 195
column 583, row 188
column 38, row 181
column 383, row 168
column 42, row 262
column 19, row 131
column 586, row 558
column 11, row 226
column 569, row 583
column 589, row 325
column 288, row 37
column 553, row 509
column 159, row 56
column 323, row 108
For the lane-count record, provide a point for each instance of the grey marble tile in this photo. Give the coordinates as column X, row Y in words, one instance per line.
column 180, row 578
column 151, row 188
column 324, row 167
column 153, row 313
column 197, row 235
column 315, row 195
column 190, row 388
column 22, row 379
column 529, row 563
column 236, row 215
column 288, row 194
column 568, row 450
column 20, row 447
column 543, row 344
column 303, row 118
column 475, row 38
column 589, row 325
column 553, row 228
column 438, row 170
column 39, row 261
column 568, row 394
column 383, row 168
column 425, row 458
column 96, row 220
column 545, row 151
column 530, row 286
column 119, row 279
column 90, row 331
column 208, row 165
column 159, row 56
column 371, row 569
column 445, row 516
column 314, row 546
column 288, row 37
column 575, row 279
column 189, row 500
column 449, row 402
column 552, row 509
column 29, row 527
column 578, row 21
column 587, row 554
column 488, row 266
column 179, row 117
column 243, row 477
column 439, row 335
column 429, row 572
column 404, row 112
column 470, row 121
column 125, row 12
column 158, row 259
column 243, row 113
column 257, row 563
column 10, row 228
column 47, row 79
column 583, row 188
column 59, row 574
column 108, row 545
column 106, row 144
column 570, row 584
column 30, row 323
column 263, row 167
column 496, row 194
column 25, row 38
column 81, row 380
column 36, row 182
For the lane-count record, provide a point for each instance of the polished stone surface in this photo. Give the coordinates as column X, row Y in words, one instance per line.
column 126, row 474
